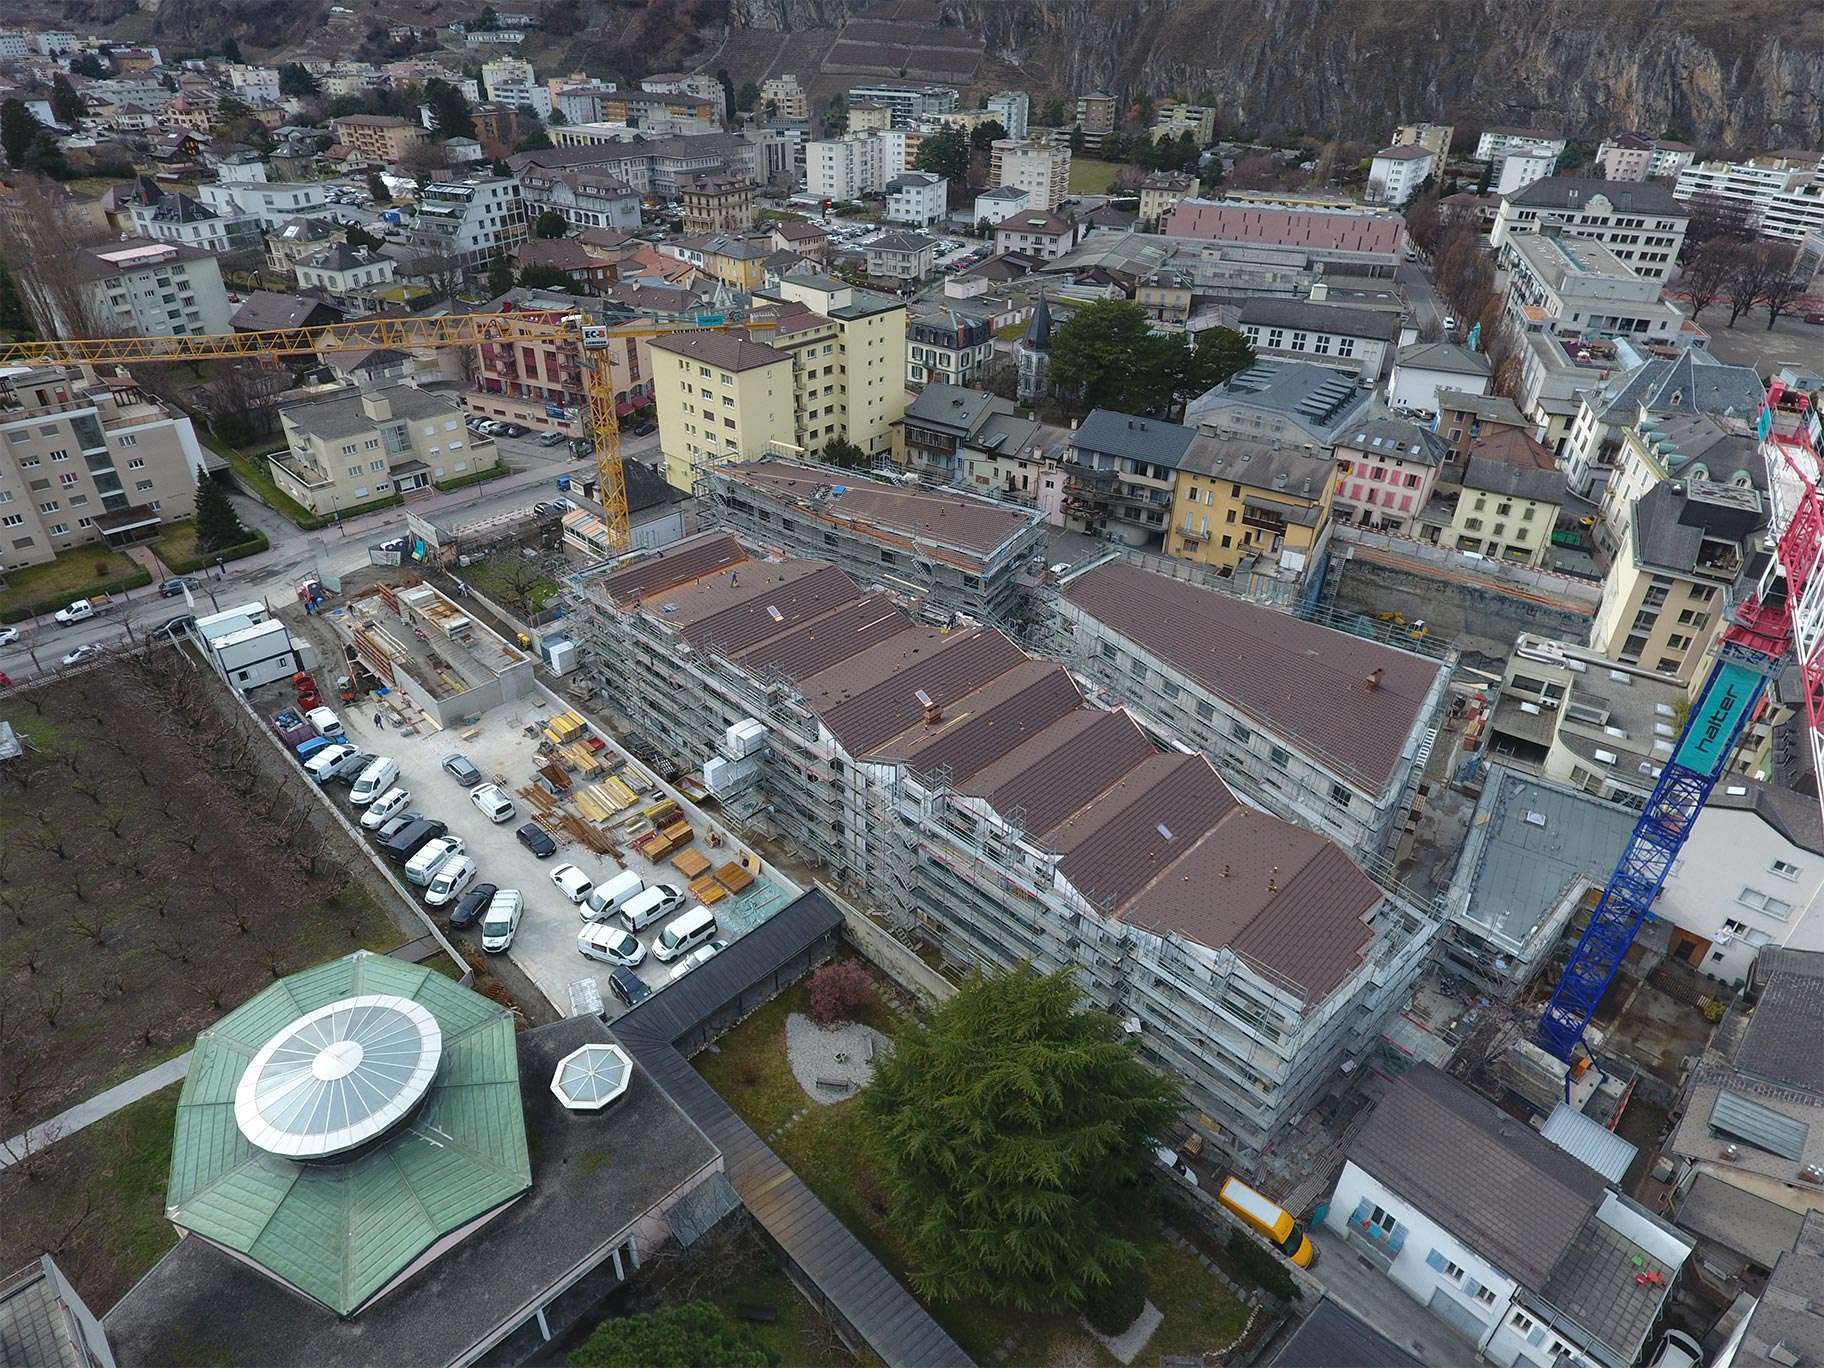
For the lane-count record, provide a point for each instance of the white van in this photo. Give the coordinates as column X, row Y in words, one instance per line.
column 643, row 909
column 326, row 724
column 492, row 800
column 375, row 780
column 501, row 920
column 449, row 881
column 423, row 866
column 320, row 764
column 611, row 896
column 685, row 933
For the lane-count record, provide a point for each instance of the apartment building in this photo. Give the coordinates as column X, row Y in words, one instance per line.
column 539, row 383
column 868, row 117
column 586, row 197
column 1174, row 118
column 845, row 168
column 949, row 434
column 1013, row 109
column 178, row 218
column 917, row 198
column 1467, row 417
column 510, row 81
column 1341, row 241
column 969, row 792
column 1434, row 138
column 784, row 98
column 1636, row 157
column 1293, row 403
column 958, row 552
column 1160, row 190
column 1639, row 221
column 1506, row 511
column 1396, row 173
column 907, row 258
column 909, row 104
column 1576, row 287
column 1245, row 504
column 1533, row 156
column 1556, row 373
column 701, row 84
column 144, row 287
column 718, row 204
column 361, row 445
column 1040, row 169
column 270, row 203
column 1784, row 195
column 1508, row 1237
column 1690, row 383
column 1044, row 236
column 378, row 139
column 348, row 277
column 1422, row 370
column 472, row 220
column 1719, row 449
column 1361, row 340
column 999, row 202
column 651, row 165
column 605, row 113
column 1098, row 114
column 1319, row 727
column 1120, row 472
column 1688, row 544
column 88, row 457
column 1386, row 470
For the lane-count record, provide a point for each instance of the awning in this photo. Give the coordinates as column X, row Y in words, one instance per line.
column 623, row 408
column 126, row 519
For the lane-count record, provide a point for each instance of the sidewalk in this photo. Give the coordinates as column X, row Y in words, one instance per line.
column 67, row 1123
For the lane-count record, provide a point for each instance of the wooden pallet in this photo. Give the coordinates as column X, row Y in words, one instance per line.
column 733, row 877
column 539, row 799
column 690, row 863
column 706, row 890
column 557, row 776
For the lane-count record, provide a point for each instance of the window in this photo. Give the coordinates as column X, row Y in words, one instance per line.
column 1339, row 795
column 1240, row 733
column 1761, row 902
column 13, row 520
column 1206, row 710
column 1522, row 1322
column 1108, row 652
column 1784, row 869
column 129, row 439
column 137, row 463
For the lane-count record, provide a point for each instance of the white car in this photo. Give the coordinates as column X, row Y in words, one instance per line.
column 493, row 801
column 80, row 654
column 701, row 955
column 606, row 942
column 80, row 611
column 323, row 761
column 451, row 878
column 501, row 920
column 384, row 808
column 1171, row 1159
column 8, row 635
column 572, row 882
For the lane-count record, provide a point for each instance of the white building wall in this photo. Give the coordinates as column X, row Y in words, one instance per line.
column 1415, row 387
column 1728, row 882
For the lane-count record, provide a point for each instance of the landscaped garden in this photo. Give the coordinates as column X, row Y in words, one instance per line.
column 80, row 572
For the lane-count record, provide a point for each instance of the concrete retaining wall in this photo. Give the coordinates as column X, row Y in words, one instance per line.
column 901, row 964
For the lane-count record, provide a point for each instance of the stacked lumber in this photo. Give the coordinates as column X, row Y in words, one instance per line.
column 580, row 756
column 539, row 799
column 706, row 890
column 565, row 727
column 556, row 774
column 616, row 793
column 733, row 877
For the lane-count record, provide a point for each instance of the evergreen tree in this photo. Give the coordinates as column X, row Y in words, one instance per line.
column 500, row 276
column 728, row 90
column 694, row 1335
column 66, row 104
column 18, row 132
column 536, row 141
column 840, row 452
column 983, row 136
column 88, row 64
column 357, row 236
column 1076, row 140
column 748, row 99
column 376, row 187
column 1052, row 114
column 946, row 154
column 1010, row 1129
column 218, row 526
column 539, row 276
column 15, row 318
column 449, row 108
column 1218, row 355
column 231, row 51
column 1107, row 354
column 295, row 80
column 550, row 224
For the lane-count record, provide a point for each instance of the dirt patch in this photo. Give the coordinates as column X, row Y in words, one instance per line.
column 1647, row 1025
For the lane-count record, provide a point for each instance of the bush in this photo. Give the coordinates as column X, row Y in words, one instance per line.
column 1116, row 1304
column 256, row 542
column 840, row 992
column 1254, row 1263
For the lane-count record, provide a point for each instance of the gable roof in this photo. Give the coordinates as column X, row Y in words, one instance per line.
column 730, row 350
column 1575, row 193
column 1141, row 439
column 1443, row 356
column 1794, row 815
column 1493, row 476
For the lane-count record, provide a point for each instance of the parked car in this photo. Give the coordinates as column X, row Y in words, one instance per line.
column 80, row 611
column 475, row 902
column 551, row 439
column 392, row 826
column 501, row 920
column 81, row 654
column 1168, row 1158
column 608, row 943
column 8, row 635
column 174, row 588
column 373, row 781
column 493, row 801
column 464, row 773
column 628, row 986
column 412, row 838
column 451, row 878
column 325, row 723
column 701, row 955
column 1450, row 323
column 1678, row 1350
column 348, row 769
column 384, row 808
column 431, row 857
column 537, row 840
column 572, row 883
column 318, row 765
column 514, row 429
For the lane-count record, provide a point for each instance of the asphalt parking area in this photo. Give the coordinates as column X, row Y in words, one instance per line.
column 545, row 945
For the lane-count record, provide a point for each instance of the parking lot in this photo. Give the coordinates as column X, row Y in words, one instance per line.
column 545, row 945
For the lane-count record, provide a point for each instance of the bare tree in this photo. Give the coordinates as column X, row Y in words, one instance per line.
column 1714, row 218
column 242, row 399
column 1706, row 274
column 1785, row 286
column 44, row 239
column 1748, row 279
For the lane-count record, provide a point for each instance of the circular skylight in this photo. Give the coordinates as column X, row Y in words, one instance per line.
column 590, row 1078
column 337, row 1077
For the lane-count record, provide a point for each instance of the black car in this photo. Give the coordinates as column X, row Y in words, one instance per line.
column 537, row 840
column 514, row 430
column 173, row 588
column 473, row 904
column 628, row 986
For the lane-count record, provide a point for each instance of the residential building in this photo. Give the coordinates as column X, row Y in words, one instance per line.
column 363, row 445
column 1396, row 173
column 1783, row 195
column 1247, row 505
column 998, row 202
column 1421, row 370
column 1568, row 714
column 298, row 238
column 918, row 199
column 901, row 257
column 379, row 139
column 472, row 220
column 1687, row 545
column 958, row 552
column 717, row 204
column 910, row 104
column 1556, row 373
column 349, row 277
column 1173, row 119
column 701, row 84
column 738, row 259
column 652, row 165
column 1787, row 1311
column 945, row 345
column 1294, row 403
column 1120, row 473
column 866, row 116
column 1636, row 157
column 144, row 287
column 1678, row 446
column 1576, row 287
column 1434, row 138
column 1013, row 108
column 1464, row 418
column 1386, row 469
column 1359, row 340
column 1638, row 221
column 267, row 311
column 1536, row 858
column 1098, row 113
column 845, row 168
column 899, row 150
column 1168, row 295
column 1693, row 382
column 784, row 99
column 597, row 112
column 1041, row 169
column 1160, row 190
column 87, row 457
column 586, row 197
column 1506, row 511
column 1011, row 458
column 968, row 791
column 942, row 425
column 1508, row 1238
column 1754, row 1104
column 270, row 203
column 1534, row 154
column 539, row 383
column 510, row 81
column 180, row 219
column 1750, row 875
column 1319, row 727
column 1360, row 242
column 1043, row 236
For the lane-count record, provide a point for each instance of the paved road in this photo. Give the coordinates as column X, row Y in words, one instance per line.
column 1427, row 304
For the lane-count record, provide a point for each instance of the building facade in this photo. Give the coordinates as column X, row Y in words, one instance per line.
column 1362, row 340
column 1014, row 110
column 359, row 446
column 473, row 220
column 1506, row 512
column 716, row 204
column 918, row 199
column 379, row 139
column 1386, row 469
column 1040, row 169
column 1783, row 196
column 845, row 168
column 586, row 197
column 1636, row 157
column 145, row 287
column 1640, row 222
column 1396, row 173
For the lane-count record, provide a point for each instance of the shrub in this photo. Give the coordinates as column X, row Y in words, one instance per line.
column 1254, row 1263
column 840, row 992
column 1116, row 1304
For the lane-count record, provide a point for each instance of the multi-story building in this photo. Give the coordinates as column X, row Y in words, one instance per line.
column 1252, row 504
column 834, row 366
column 1396, row 173
column 1386, row 469
column 1506, row 511
column 902, row 257
column 597, row 112
column 652, row 166
column 1362, row 242
column 1293, row 403
column 969, row 791
column 348, row 277
column 866, row 116
column 718, row 204
column 1160, row 191
column 947, row 429
column 845, row 168
column 1533, row 156
column 378, row 139
column 146, row 287
column 1421, row 370
column 586, row 197
column 178, row 218
column 701, row 84
column 998, row 202
column 298, row 238
column 959, row 552
column 1041, row 169
column 1317, row 726
column 1013, row 108
column 1174, row 118
column 86, row 457
column 783, row 98
column 1638, row 221
column 1716, row 448
column 1555, row 375
column 539, row 383
column 1687, row 546
column 361, row 445
column 1577, row 287
column 1434, row 138
column 1120, row 473
column 1097, row 115
column 1466, row 417
column 1636, row 157
column 1360, row 340
column 510, row 81
column 253, row 82
column 1784, row 196
column 1560, row 1268
column 917, row 198
column 472, row 220
column 1044, row 236
column 270, row 203
column 910, row 104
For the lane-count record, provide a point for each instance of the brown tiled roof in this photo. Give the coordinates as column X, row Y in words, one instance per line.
column 1514, row 447
column 679, row 564
column 754, row 602
column 1049, row 776
column 868, row 704
column 729, row 350
column 1308, row 684
column 854, row 627
column 981, row 727
column 1114, row 846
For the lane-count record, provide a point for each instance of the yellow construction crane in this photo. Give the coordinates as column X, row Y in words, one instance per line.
column 592, row 340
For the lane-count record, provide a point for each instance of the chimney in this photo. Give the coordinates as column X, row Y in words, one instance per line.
column 1374, row 677
column 1273, row 880
column 377, row 406
column 934, row 713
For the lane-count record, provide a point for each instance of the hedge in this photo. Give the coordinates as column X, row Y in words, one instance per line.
column 474, row 477
column 251, row 547
column 118, row 585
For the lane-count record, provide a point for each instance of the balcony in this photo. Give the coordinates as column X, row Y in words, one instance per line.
column 1192, row 534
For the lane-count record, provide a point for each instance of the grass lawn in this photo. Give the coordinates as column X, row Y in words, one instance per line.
column 1092, row 177
column 825, row 1147
column 512, row 581
column 69, row 575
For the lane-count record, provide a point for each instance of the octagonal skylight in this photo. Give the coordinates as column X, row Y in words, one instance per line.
column 590, row 1078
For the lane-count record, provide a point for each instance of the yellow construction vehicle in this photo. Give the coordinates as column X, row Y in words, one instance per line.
column 592, row 340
